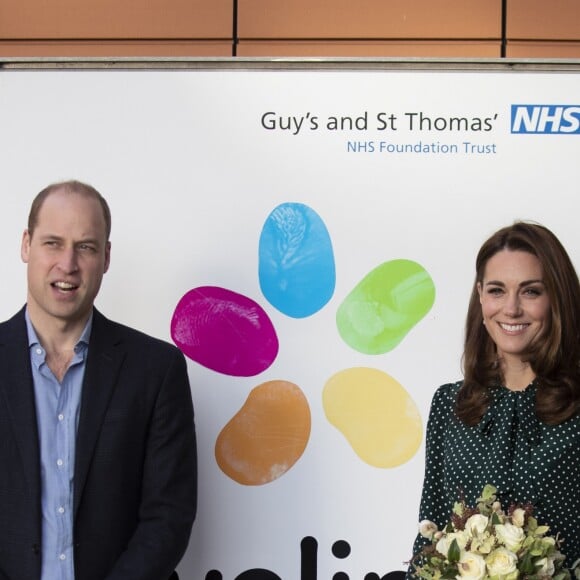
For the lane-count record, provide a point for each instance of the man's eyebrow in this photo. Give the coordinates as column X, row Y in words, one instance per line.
column 88, row 240
column 49, row 237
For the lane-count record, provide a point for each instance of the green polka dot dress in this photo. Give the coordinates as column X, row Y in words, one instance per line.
column 526, row 460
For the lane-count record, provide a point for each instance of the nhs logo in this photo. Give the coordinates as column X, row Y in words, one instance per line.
column 546, row 119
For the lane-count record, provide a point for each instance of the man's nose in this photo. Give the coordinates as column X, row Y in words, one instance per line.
column 68, row 260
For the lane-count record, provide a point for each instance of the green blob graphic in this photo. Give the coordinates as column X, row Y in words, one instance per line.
column 384, row 306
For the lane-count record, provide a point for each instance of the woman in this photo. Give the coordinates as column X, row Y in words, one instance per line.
column 514, row 420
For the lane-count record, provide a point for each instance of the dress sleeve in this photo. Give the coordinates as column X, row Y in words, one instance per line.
column 434, row 506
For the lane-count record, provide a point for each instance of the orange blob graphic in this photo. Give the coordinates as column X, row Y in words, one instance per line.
column 267, row 436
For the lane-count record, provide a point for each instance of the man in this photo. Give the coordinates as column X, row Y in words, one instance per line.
column 97, row 443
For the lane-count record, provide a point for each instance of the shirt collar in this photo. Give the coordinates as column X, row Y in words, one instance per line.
column 82, row 341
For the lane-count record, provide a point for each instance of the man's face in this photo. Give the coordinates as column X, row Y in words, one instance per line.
column 67, row 255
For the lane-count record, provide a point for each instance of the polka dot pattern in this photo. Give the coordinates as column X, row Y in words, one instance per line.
column 526, row 460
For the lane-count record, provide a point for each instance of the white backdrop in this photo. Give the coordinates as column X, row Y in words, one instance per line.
column 192, row 173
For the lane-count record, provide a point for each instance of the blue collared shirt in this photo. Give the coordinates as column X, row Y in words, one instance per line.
column 57, row 410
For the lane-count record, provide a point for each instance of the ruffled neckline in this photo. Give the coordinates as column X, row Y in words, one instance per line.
column 522, row 403
column 531, row 387
column 511, row 429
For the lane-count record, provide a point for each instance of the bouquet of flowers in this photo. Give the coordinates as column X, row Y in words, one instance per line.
column 486, row 543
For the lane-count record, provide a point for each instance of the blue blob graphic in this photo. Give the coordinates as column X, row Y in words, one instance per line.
column 296, row 261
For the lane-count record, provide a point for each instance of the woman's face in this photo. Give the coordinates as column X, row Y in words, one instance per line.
column 514, row 301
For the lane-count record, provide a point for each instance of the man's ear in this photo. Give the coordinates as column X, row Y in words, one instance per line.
column 107, row 256
column 25, row 246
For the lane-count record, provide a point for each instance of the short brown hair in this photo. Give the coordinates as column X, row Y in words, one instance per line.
column 554, row 356
column 71, row 186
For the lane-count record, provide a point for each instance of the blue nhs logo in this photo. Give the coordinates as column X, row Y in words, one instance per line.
column 546, row 119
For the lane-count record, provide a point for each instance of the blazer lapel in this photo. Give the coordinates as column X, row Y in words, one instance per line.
column 16, row 387
column 105, row 357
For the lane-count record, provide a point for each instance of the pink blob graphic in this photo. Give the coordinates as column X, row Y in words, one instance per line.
column 224, row 331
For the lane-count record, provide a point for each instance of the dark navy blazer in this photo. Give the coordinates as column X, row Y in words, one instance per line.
column 135, row 481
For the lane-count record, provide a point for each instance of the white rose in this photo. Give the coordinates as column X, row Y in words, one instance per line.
column 471, row 566
column 501, row 562
column 442, row 545
column 427, row 528
column 519, row 517
column 510, row 536
column 545, row 567
column 445, row 542
column 476, row 524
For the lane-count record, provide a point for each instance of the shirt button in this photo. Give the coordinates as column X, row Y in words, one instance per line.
column 60, row 462
column 62, row 557
column 61, row 510
column 38, row 351
column 60, row 417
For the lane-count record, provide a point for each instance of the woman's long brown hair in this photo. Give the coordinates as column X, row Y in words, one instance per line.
column 554, row 356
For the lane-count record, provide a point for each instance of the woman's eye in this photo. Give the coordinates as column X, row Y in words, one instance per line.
column 494, row 291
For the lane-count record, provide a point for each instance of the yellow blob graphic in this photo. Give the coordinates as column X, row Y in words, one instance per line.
column 266, row 436
column 376, row 415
